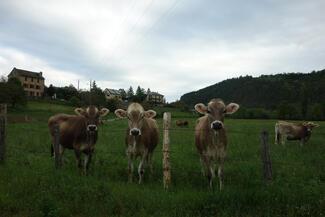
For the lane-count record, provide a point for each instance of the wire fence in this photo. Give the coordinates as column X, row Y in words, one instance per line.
column 18, row 152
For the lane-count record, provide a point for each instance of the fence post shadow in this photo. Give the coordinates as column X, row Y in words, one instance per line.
column 3, row 125
column 265, row 157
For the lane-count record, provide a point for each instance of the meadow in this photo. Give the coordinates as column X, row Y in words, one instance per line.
column 31, row 186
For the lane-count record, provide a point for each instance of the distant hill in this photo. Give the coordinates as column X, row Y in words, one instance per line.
column 265, row 91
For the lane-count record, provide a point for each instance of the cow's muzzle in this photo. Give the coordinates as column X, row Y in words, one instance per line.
column 216, row 125
column 92, row 127
column 135, row 132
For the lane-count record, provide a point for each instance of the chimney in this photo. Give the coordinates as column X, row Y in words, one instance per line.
column 41, row 73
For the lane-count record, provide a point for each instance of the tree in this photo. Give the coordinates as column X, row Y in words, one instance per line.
column 16, row 93
column 130, row 93
column 123, row 93
column 140, row 95
column 50, row 91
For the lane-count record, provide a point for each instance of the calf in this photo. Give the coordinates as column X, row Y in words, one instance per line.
column 141, row 137
column 293, row 131
column 182, row 123
column 211, row 138
column 78, row 132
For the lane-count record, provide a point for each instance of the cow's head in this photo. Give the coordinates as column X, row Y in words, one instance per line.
column 309, row 126
column 92, row 115
column 135, row 115
column 216, row 111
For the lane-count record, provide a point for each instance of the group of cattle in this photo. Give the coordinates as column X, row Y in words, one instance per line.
column 79, row 133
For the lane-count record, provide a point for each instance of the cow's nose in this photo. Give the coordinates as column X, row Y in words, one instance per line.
column 92, row 127
column 135, row 132
column 216, row 125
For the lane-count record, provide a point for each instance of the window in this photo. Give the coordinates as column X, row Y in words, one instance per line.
column 37, row 94
column 37, row 87
column 37, row 80
column 25, row 85
column 25, row 78
column 32, row 79
column 31, row 93
column 31, row 86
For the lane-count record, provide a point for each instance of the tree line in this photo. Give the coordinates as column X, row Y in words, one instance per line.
column 283, row 96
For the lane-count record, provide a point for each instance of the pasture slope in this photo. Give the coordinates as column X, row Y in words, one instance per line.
column 30, row 186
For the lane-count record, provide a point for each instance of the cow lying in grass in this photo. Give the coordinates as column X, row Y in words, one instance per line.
column 293, row 131
column 181, row 123
column 78, row 132
column 141, row 136
column 211, row 137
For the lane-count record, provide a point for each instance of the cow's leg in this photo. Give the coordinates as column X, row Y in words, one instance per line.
column 302, row 142
column 87, row 161
column 78, row 157
column 220, row 173
column 277, row 136
column 283, row 138
column 149, row 162
column 141, row 166
column 130, row 167
column 208, row 169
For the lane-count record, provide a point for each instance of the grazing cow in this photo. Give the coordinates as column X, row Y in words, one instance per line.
column 211, row 138
column 78, row 132
column 141, row 137
column 182, row 123
column 293, row 131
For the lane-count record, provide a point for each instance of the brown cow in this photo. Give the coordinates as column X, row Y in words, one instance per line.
column 78, row 132
column 181, row 123
column 293, row 131
column 211, row 138
column 141, row 137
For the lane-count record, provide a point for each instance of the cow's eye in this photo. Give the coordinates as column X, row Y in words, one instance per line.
column 208, row 111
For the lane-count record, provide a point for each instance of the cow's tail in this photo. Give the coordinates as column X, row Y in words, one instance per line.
column 277, row 134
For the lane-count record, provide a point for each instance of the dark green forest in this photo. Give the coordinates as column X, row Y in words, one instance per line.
column 285, row 96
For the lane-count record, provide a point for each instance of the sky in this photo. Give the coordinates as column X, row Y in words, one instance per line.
column 169, row 46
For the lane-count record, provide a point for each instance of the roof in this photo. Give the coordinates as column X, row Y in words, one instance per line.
column 155, row 93
column 112, row 91
column 26, row 73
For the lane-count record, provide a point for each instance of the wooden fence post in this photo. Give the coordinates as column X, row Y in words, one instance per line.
column 166, row 142
column 3, row 125
column 266, row 159
column 57, row 154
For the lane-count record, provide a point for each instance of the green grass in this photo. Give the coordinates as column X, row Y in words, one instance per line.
column 30, row 186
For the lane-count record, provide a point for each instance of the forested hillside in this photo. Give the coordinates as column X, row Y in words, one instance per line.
column 298, row 90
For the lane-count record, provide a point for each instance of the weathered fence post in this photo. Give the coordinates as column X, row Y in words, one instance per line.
column 166, row 142
column 266, row 159
column 57, row 154
column 3, row 125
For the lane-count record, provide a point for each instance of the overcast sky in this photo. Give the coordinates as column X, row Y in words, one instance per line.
column 169, row 46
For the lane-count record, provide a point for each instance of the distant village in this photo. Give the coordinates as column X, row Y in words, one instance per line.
column 33, row 84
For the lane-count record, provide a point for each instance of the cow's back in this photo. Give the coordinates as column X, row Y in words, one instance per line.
column 72, row 129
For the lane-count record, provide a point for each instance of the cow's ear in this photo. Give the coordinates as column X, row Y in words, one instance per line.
column 103, row 112
column 231, row 108
column 201, row 108
column 79, row 111
column 150, row 114
column 120, row 113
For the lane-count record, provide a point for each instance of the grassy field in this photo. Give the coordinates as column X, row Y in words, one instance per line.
column 30, row 186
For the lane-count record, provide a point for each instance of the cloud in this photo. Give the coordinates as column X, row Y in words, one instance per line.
column 171, row 46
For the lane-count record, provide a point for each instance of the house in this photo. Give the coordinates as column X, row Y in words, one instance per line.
column 112, row 94
column 33, row 82
column 155, row 98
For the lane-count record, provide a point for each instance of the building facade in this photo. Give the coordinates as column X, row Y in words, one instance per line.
column 112, row 94
column 155, row 98
column 33, row 82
